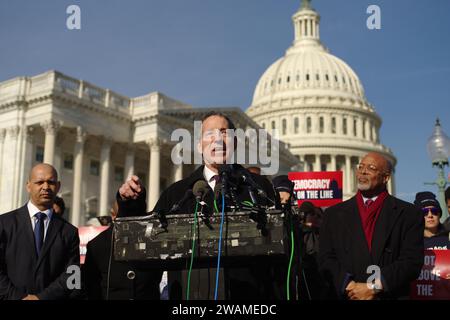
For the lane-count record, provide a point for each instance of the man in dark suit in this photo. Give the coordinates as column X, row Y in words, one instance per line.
column 243, row 283
column 371, row 246
column 108, row 279
column 36, row 245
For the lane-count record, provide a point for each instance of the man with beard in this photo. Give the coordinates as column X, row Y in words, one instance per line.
column 215, row 146
column 371, row 246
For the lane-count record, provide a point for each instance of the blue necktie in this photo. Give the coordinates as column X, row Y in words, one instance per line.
column 39, row 231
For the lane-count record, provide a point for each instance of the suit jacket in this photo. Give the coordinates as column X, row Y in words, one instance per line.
column 261, row 280
column 397, row 247
column 22, row 272
column 144, row 286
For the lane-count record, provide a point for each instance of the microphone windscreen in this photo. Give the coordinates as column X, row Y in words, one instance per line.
column 200, row 188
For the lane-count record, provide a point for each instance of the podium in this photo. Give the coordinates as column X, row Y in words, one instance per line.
column 251, row 240
column 143, row 238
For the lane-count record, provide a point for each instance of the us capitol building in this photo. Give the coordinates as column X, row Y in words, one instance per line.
column 96, row 138
column 317, row 103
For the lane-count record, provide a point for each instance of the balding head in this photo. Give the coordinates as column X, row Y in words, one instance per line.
column 42, row 167
column 43, row 185
column 383, row 163
column 373, row 173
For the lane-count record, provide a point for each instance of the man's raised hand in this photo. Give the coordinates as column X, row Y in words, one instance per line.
column 131, row 189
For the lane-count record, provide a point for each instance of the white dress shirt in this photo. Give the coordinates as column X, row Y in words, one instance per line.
column 32, row 210
column 365, row 199
column 208, row 174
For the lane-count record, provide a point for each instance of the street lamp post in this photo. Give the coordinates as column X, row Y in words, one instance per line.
column 439, row 149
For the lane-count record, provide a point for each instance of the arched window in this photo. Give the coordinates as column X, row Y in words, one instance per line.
column 321, row 125
column 296, row 125
column 283, row 127
column 308, row 125
column 333, row 125
column 344, row 125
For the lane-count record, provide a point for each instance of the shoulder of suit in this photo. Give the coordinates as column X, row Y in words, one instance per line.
column 342, row 205
column 66, row 224
column 8, row 215
column 403, row 204
column 101, row 238
column 178, row 186
column 186, row 183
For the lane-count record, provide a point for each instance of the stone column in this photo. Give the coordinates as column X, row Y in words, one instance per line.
column 315, row 121
column 367, row 129
column 2, row 154
column 105, row 164
column 11, row 156
column 27, row 163
column 348, row 175
column 333, row 162
column 77, row 176
column 178, row 168
column 360, row 128
column 317, row 162
column 50, row 127
column 374, row 133
column 327, row 124
column 178, row 172
column 154, row 173
column 129, row 162
column 339, row 129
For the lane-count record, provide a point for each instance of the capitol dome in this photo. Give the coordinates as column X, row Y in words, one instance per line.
column 304, row 70
column 316, row 104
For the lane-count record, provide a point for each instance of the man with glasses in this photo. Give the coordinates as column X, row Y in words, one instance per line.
column 435, row 235
column 371, row 246
column 216, row 147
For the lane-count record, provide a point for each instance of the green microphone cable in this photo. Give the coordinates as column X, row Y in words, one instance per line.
column 194, row 227
column 288, row 293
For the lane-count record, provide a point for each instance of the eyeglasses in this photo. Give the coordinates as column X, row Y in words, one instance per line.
column 434, row 211
column 210, row 134
column 370, row 168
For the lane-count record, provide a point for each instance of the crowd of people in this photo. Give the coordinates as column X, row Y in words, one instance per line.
column 338, row 245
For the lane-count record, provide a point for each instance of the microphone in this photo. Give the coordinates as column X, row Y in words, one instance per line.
column 226, row 173
column 200, row 189
column 247, row 178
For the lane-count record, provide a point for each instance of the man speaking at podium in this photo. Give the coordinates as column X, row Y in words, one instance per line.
column 241, row 283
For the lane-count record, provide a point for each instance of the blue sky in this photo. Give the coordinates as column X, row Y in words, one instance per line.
column 212, row 53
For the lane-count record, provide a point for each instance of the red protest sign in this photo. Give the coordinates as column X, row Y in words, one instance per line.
column 434, row 280
column 323, row 189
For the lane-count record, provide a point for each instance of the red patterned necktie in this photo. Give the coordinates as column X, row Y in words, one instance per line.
column 368, row 203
